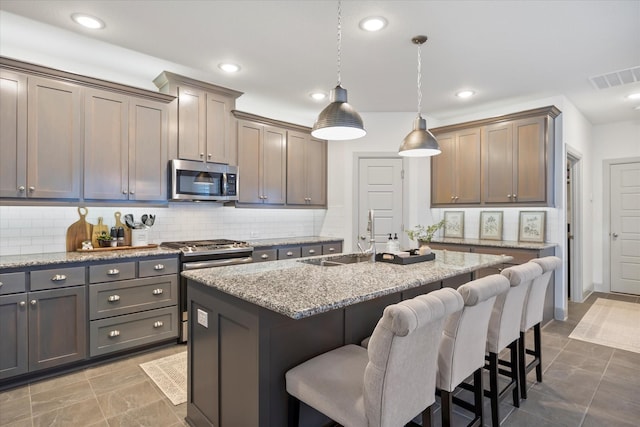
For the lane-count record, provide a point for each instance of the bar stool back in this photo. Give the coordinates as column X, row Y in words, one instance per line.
column 391, row 381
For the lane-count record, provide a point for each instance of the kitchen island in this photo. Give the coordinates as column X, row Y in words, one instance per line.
column 252, row 323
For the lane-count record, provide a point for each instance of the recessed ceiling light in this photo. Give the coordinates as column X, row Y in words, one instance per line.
column 634, row 96
column 465, row 94
column 229, row 67
column 318, row 96
column 373, row 23
column 88, row 21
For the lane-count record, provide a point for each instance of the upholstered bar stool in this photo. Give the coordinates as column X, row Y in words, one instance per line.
column 390, row 382
column 462, row 348
column 532, row 318
column 504, row 332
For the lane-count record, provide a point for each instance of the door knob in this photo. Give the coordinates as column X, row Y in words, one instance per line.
column 615, row 235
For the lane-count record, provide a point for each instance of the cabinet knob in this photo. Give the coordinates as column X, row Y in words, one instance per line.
column 124, row 191
column 209, row 155
column 132, row 192
column 1, row 284
column 264, row 256
column 158, row 267
column 21, row 188
column 158, row 291
column 201, row 154
column 453, row 197
column 33, row 302
column 509, row 196
column 113, row 272
column 515, row 196
column 158, row 324
column 289, row 253
column 113, row 298
column 457, row 197
column 114, row 333
column 32, row 189
column 332, row 249
column 58, row 278
column 22, row 303
column 312, row 251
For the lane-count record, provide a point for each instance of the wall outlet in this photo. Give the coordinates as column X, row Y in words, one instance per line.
column 203, row 318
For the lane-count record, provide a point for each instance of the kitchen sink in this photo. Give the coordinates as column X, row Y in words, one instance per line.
column 338, row 260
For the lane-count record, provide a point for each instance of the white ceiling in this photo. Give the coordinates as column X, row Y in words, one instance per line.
column 507, row 51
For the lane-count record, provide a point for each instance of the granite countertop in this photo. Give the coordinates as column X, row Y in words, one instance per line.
column 21, row 261
column 298, row 289
column 281, row 241
column 495, row 243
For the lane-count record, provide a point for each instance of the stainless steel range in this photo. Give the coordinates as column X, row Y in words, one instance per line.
column 205, row 254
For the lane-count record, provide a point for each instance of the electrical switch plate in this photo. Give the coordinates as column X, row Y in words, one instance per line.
column 203, row 318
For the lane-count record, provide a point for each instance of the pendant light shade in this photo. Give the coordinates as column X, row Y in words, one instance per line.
column 339, row 120
column 419, row 142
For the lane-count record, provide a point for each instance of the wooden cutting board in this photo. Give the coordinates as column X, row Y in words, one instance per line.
column 78, row 231
column 127, row 231
column 97, row 230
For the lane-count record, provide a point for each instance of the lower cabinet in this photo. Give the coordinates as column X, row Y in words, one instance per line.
column 278, row 252
column 52, row 317
column 42, row 329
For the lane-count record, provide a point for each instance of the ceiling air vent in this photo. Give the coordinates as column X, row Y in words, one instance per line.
column 616, row 78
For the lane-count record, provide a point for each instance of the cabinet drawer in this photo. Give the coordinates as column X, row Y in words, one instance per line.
column 130, row 296
column 11, row 283
column 289, row 253
column 262, row 255
column 57, row 278
column 331, row 248
column 449, row 247
column 520, row 256
column 311, row 250
column 111, row 272
column 132, row 330
column 157, row 267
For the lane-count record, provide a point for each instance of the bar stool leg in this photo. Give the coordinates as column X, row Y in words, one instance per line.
column 522, row 368
column 537, row 340
column 493, row 389
column 515, row 372
column 293, row 412
column 446, row 406
column 426, row 417
column 478, row 394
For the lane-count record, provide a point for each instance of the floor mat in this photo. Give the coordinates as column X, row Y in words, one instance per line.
column 612, row 323
column 170, row 375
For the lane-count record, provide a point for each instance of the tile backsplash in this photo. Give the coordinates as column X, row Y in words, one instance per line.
column 35, row 229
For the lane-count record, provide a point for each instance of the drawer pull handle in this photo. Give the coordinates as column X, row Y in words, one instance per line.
column 114, row 333
column 58, row 278
column 23, row 303
column 113, row 272
column 158, row 324
column 1, row 284
column 289, row 253
column 158, row 267
column 332, row 249
column 158, row 291
column 33, row 302
column 264, row 256
column 312, row 251
column 113, row 298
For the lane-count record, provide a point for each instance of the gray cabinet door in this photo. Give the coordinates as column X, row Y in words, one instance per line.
column 13, row 335
column 274, row 163
column 306, row 170
column 191, row 123
column 219, row 147
column 249, row 164
column 54, row 139
column 148, row 150
column 57, row 327
column 316, row 160
column 13, row 134
column 106, row 143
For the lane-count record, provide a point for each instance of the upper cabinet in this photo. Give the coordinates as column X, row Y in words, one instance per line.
column 203, row 121
column 262, row 151
column 457, row 169
column 51, row 118
column 496, row 162
column 306, row 170
column 125, row 156
column 41, row 137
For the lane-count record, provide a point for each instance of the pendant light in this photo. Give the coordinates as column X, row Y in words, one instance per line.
column 339, row 120
column 419, row 142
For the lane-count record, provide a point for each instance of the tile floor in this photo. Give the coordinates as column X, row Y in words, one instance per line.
column 584, row 385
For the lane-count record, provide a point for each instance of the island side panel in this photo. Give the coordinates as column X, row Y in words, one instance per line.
column 361, row 319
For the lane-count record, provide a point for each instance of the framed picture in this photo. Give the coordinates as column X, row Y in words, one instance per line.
column 491, row 225
column 454, row 224
column 532, row 225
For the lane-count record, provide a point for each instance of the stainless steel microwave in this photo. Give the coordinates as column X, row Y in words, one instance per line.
column 196, row 181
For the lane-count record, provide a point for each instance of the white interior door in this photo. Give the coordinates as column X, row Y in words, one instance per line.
column 380, row 189
column 625, row 228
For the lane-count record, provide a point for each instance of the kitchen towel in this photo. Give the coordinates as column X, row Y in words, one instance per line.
column 170, row 375
column 611, row 323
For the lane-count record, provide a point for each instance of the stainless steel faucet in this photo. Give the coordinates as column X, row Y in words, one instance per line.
column 371, row 250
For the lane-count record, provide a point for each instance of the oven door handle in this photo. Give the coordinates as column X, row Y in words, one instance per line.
column 216, row 263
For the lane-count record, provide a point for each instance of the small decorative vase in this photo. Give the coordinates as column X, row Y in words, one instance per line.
column 424, row 248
